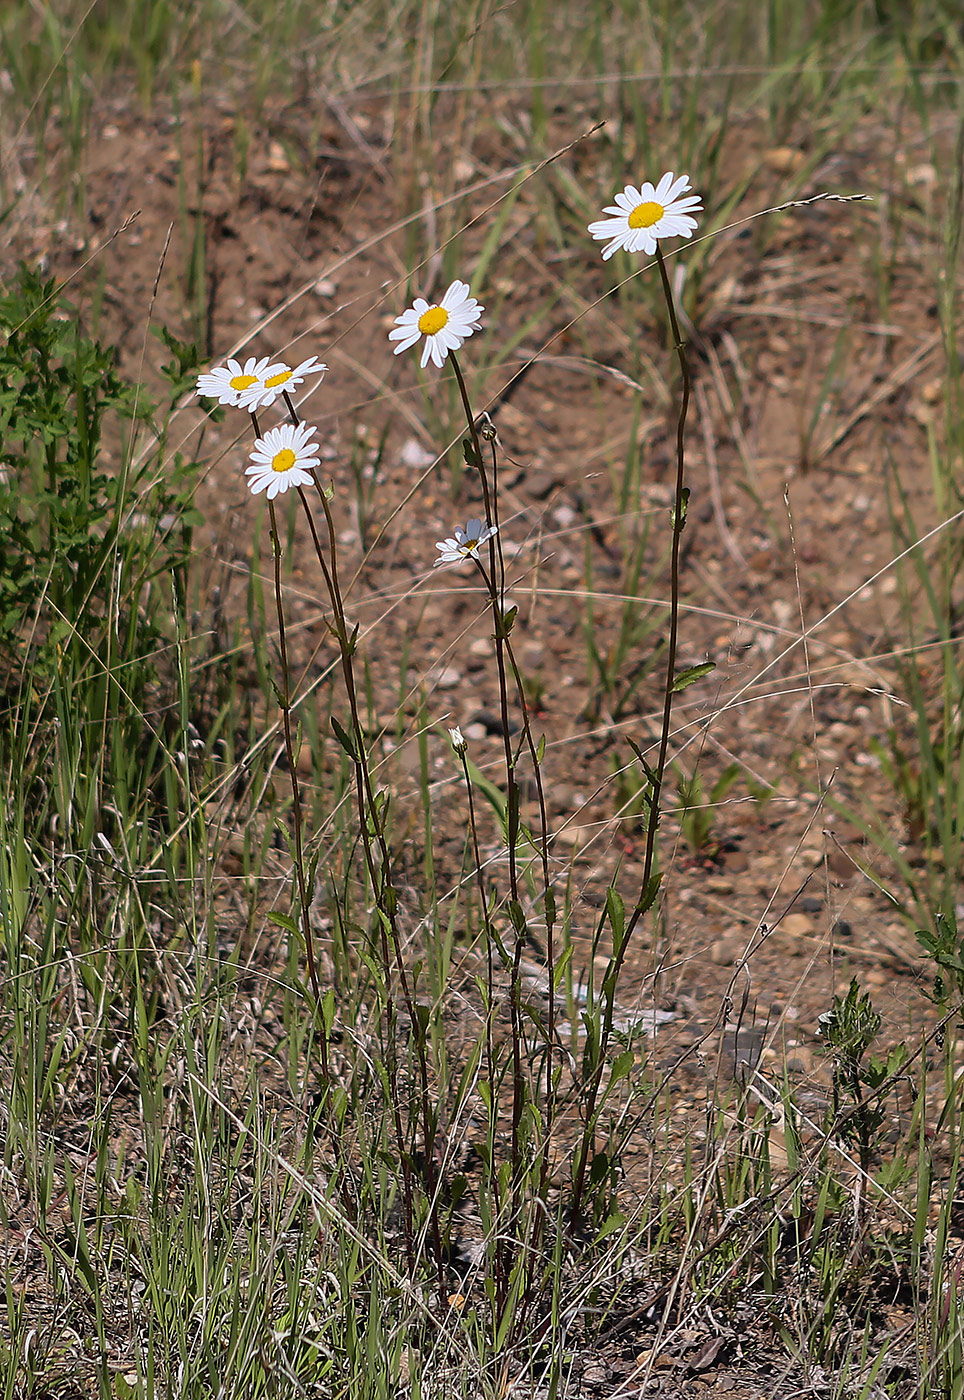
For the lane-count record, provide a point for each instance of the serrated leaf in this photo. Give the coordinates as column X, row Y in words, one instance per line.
column 648, row 896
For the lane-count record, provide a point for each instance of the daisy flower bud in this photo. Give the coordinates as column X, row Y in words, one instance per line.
column 642, row 216
column 459, row 743
column 445, row 326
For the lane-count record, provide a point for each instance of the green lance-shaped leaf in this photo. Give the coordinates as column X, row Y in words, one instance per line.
column 344, row 739
column 687, row 677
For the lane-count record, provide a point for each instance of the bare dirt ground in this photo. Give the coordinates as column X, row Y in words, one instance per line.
column 805, row 397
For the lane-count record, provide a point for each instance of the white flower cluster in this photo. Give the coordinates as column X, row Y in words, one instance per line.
column 255, row 384
column 283, row 458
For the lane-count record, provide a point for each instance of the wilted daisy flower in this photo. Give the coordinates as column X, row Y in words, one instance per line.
column 282, row 458
column 274, row 380
column 644, row 215
column 465, row 543
column 444, row 325
column 228, row 382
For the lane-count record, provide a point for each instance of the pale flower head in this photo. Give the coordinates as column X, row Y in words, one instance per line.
column 459, row 743
column 282, row 459
column 642, row 216
column 276, row 379
column 445, row 325
column 228, row 382
column 464, row 544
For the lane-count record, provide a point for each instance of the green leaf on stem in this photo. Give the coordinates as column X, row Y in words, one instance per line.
column 679, row 519
column 648, row 897
column 647, row 768
column 344, row 739
column 284, row 921
column 687, row 677
column 518, row 917
column 616, row 912
column 328, row 1010
column 615, row 1222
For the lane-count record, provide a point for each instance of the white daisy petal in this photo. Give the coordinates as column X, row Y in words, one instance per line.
column 603, row 228
column 455, row 295
column 679, row 186
column 444, row 325
column 663, row 187
column 407, row 336
column 642, row 217
column 680, row 227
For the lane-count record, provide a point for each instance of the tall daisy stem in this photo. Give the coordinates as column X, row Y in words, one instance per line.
column 371, row 825
column 649, row 883
column 284, row 699
column 503, row 621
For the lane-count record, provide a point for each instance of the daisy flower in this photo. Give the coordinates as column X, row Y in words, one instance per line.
column 465, row 543
column 444, row 325
column 642, row 216
column 457, row 740
column 228, row 382
column 274, row 380
column 282, row 458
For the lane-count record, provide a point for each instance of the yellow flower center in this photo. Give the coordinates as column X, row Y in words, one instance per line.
column 646, row 214
column 240, row 382
column 277, row 379
column 283, row 461
column 433, row 320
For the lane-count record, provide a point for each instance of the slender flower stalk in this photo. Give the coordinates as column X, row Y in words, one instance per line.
column 503, row 1265
column 371, row 826
column 494, row 579
column 648, row 883
column 284, row 699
